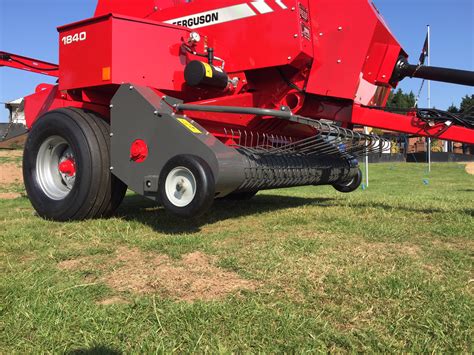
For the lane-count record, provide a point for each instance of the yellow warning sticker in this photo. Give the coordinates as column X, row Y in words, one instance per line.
column 208, row 70
column 189, row 125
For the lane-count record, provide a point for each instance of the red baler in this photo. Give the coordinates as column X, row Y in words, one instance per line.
column 187, row 101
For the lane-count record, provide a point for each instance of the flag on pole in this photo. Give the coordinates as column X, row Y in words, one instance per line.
column 425, row 53
column 426, row 50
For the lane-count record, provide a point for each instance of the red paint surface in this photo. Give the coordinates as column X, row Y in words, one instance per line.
column 345, row 64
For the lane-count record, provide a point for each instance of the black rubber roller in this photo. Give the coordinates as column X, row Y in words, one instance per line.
column 351, row 185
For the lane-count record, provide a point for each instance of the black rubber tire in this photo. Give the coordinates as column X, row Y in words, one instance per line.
column 351, row 185
column 240, row 196
column 96, row 192
column 205, row 186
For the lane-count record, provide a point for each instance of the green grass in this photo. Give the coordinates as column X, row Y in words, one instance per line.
column 15, row 159
column 387, row 269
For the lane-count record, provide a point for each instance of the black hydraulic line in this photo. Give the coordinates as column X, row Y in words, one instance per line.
column 7, row 57
column 289, row 83
column 284, row 114
column 465, row 119
column 235, row 110
column 446, row 75
column 32, row 66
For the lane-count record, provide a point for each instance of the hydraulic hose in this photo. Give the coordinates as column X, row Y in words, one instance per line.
column 454, row 76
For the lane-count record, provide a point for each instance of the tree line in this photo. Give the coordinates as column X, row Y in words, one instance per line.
column 402, row 100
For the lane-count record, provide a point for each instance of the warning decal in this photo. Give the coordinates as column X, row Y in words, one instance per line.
column 208, row 70
column 189, row 125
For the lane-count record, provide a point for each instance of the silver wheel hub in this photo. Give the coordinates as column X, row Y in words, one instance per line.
column 55, row 167
column 180, row 186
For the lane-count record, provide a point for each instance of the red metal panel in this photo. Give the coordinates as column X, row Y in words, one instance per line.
column 388, row 60
column 347, row 35
column 81, row 62
column 246, row 36
column 49, row 97
column 148, row 54
column 138, row 8
column 117, row 49
column 349, row 55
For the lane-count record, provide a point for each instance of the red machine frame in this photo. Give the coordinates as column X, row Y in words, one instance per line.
column 322, row 59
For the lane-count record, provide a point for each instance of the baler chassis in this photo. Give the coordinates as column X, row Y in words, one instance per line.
column 208, row 115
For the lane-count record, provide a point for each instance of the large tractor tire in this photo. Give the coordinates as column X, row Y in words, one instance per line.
column 187, row 187
column 66, row 167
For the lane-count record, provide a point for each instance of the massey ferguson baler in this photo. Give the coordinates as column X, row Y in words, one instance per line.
column 187, row 101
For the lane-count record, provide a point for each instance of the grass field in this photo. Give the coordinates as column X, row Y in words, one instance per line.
column 389, row 268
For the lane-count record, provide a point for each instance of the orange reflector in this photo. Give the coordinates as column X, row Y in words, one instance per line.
column 106, row 73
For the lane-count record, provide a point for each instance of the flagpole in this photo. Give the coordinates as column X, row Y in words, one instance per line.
column 366, row 131
column 429, row 96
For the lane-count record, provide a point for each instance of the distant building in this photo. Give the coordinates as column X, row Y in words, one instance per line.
column 17, row 112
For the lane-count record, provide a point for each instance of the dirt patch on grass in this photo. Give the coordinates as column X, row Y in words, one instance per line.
column 9, row 195
column 470, row 168
column 74, row 264
column 373, row 254
column 11, row 153
column 386, row 250
column 112, row 301
column 10, row 174
column 194, row 277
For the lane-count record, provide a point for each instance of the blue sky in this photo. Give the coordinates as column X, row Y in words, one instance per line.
column 28, row 27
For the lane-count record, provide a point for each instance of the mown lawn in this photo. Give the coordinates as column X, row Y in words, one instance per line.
column 389, row 268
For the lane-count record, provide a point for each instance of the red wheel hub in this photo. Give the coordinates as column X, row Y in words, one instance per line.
column 68, row 167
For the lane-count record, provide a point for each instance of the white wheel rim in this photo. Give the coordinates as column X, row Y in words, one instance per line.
column 55, row 184
column 180, row 186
